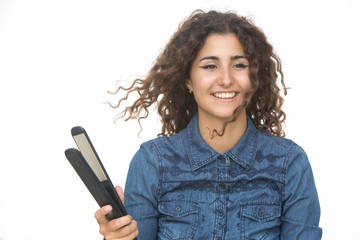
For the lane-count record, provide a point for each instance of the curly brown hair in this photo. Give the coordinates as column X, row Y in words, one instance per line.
column 165, row 83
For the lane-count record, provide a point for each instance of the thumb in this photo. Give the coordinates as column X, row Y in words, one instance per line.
column 120, row 192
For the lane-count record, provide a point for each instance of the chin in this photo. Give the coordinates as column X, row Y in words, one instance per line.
column 229, row 113
column 226, row 117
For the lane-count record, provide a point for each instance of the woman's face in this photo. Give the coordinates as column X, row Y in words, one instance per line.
column 219, row 78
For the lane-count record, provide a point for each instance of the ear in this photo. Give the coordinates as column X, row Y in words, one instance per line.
column 189, row 85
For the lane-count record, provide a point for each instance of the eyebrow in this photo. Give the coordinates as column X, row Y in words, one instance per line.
column 237, row 57
column 217, row 59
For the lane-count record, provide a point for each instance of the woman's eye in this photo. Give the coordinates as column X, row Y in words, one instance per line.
column 209, row 67
column 240, row 66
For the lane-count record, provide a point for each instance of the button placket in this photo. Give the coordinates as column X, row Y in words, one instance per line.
column 221, row 197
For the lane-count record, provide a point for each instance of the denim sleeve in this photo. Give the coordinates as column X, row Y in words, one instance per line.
column 140, row 191
column 301, row 208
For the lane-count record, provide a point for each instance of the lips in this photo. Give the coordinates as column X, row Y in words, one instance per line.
column 225, row 95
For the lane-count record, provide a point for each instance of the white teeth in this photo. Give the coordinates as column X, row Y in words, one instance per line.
column 224, row 95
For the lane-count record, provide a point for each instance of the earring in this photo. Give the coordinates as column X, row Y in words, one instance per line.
column 190, row 91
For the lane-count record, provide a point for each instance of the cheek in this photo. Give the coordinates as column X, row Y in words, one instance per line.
column 244, row 81
column 247, row 85
column 201, row 82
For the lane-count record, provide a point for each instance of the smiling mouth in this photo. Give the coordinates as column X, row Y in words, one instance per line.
column 227, row 95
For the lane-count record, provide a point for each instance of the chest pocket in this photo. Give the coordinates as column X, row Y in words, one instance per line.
column 261, row 222
column 178, row 219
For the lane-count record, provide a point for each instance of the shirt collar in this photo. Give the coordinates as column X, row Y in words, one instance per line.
column 201, row 153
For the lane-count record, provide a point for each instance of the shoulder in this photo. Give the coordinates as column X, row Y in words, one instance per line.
column 287, row 148
column 158, row 147
column 161, row 145
column 277, row 144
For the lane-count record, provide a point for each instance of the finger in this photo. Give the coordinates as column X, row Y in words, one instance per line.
column 129, row 231
column 120, row 192
column 116, row 224
column 100, row 214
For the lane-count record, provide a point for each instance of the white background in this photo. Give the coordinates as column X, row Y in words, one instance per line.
column 58, row 59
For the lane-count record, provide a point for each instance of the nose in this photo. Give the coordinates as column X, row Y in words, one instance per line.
column 225, row 77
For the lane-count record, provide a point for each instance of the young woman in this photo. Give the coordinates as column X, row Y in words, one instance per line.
column 221, row 168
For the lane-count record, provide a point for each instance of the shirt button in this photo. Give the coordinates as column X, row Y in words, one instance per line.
column 222, row 186
column 221, row 212
column 221, row 159
column 261, row 213
column 178, row 208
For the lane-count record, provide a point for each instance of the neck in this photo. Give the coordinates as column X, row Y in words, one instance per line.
column 233, row 132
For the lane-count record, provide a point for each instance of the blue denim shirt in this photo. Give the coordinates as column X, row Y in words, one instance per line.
column 263, row 188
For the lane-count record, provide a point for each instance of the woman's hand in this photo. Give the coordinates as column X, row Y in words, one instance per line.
column 120, row 228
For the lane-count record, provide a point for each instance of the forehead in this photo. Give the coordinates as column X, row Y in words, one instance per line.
column 221, row 45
